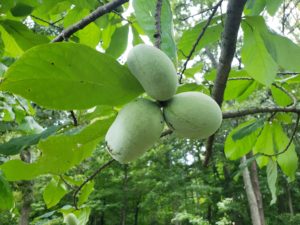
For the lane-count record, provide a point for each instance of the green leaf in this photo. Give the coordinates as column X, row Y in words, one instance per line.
column 288, row 161
column 85, row 193
column 280, row 97
column 118, row 43
column 236, row 149
column 18, row 38
column 54, row 192
column 239, row 89
column 61, row 81
column 247, row 130
column 254, row 7
column 197, row 68
column 273, row 5
column 258, row 63
column 59, row 153
column 283, row 51
column 272, row 179
column 21, row 10
column 6, row 195
column 16, row 145
column 264, row 144
column 192, row 87
column 6, row 5
column 189, row 37
column 145, row 11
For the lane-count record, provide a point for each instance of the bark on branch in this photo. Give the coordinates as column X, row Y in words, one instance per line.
column 229, row 39
column 100, row 11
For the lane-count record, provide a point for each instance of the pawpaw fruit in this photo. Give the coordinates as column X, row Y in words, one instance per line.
column 154, row 70
column 136, row 128
column 71, row 219
column 193, row 115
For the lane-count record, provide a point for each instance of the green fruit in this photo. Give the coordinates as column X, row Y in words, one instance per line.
column 193, row 115
column 154, row 70
column 71, row 219
column 137, row 127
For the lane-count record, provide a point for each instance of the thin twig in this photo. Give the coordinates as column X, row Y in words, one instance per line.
column 75, row 121
column 102, row 167
column 166, row 132
column 100, row 11
column 198, row 39
column 290, row 141
column 122, row 17
column 199, row 13
column 157, row 34
column 288, row 73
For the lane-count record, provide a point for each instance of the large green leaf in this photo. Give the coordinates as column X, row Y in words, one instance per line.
column 281, row 98
column 145, row 11
column 54, row 192
column 256, row 58
column 70, row 76
column 189, row 37
column 240, row 147
column 6, row 196
column 273, row 5
column 288, row 161
column 59, row 153
column 272, row 179
column 283, row 51
column 85, row 193
column 18, row 38
column 239, row 89
column 16, row 145
column 264, row 144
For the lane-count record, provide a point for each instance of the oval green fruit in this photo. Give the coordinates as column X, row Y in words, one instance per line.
column 137, row 127
column 193, row 115
column 71, row 219
column 154, row 70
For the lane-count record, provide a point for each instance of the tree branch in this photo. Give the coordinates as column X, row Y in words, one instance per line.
column 229, row 39
column 102, row 167
column 75, row 121
column 100, row 11
column 198, row 39
column 157, row 34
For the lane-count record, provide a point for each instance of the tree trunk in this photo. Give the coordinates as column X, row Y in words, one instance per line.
column 124, row 207
column 254, row 211
column 256, row 189
column 27, row 193
column 290, row 202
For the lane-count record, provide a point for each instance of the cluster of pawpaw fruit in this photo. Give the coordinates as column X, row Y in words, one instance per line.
column 140, row 123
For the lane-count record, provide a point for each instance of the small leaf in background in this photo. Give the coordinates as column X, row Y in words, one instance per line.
column 189, row 37
column 264, row 144
column 257, row 60
column 288, row 161
column 272, row 179
column 6, row 195
column 118, row 43
column 21, row 10
column 59, row 152
column 18, row 38
column 54, row 192
column 272, row 6
column 280, row 97
column 16, row 145
column 197, row 68
column 192, row 87
column 236, row 149
column 145, row 11
column 81, row 214
column 62, row 81
column 247, row 130
column 85, row 193
column 254, row 7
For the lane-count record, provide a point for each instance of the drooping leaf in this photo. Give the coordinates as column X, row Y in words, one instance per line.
column 239, row 89
column 16, row 145
column 18, row 38
column 272, row 179
column 62, row 81
column 288, row 161
column 85, row 193
column 264, row 144
column 247, row 130
column 257, row 60
column 6, row 195
column 145, row 11
column 118, row 43
column 54, row 192
column 236, row 149
column 59, row 153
